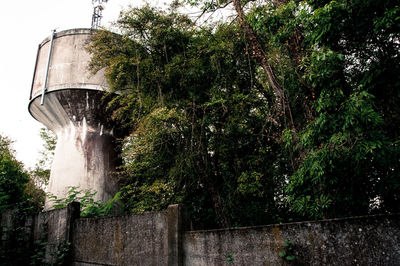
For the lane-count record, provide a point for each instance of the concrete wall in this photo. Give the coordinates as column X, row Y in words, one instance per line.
column 370, row 240
column 146, row 239
column 54, row 227
column 56, row 223
column 160, row 238
column 126, row 240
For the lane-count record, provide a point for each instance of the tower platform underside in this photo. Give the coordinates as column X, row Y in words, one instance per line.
column 84, row 155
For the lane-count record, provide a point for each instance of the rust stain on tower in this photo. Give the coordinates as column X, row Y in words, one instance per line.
column 67, row 98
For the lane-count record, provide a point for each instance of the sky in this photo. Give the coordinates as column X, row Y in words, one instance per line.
column 24, row 24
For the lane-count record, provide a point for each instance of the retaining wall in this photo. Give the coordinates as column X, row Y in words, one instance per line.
column 145, row 239
column 162, row 238
column 128, row 240
column 372, row 240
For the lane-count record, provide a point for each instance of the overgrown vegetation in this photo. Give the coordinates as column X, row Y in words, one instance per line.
column 16, row 188
column 42, row 254
column 41, row 171
column 288, row 252
column 88, row 206
column 19, row 195
column 290, row 112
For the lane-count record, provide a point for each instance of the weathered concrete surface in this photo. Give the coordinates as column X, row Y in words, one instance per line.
column 68, row 64
column 85, row 156
column 177, row 225
column 8, row 222
column 54, row 227
column 158, row 238
column 7, row 218
column 124, row 240
column 73, row 110
column 57, row 224
column 373, row 240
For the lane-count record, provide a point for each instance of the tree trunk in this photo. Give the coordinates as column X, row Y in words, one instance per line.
column 259, row 54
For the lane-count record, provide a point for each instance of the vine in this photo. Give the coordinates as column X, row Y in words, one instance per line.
column 287, row 254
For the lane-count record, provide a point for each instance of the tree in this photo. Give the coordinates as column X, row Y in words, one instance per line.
column 17, row 189
column 199, row 128
column 257, row 50
column 12, row 176
column 41, row 173
column 338, row 63
column 19, row 194
column 290, row 112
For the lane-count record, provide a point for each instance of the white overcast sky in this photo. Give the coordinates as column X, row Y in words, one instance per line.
column 24, row 24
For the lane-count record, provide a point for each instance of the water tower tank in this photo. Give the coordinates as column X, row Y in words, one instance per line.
column 67, row 98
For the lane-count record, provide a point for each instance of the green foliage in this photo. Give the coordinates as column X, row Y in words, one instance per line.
column 14, row 249
column 60, row 255
column 12, row 176
column 34, row 195
column 357, row 147
column 202, row 127
column 229, row 257
column 42, row 254
column 16, row 188
column 41, row 172
column 89, row 207
column 287, row 253
column 250, row 184
column 348, row 142
column 19, row 196
column 197, row 116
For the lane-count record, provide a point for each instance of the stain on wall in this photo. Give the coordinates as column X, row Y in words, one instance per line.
column 372, row 240
column 144, row 240
column 125, row 240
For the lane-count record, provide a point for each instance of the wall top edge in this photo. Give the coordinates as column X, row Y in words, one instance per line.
column 124, row 216
column 302, row 223
column 77, row 31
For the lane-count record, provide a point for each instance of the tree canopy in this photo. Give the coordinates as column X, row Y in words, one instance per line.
column 290, row 112
column 17, row 190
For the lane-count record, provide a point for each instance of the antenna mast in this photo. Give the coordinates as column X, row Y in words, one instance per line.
column 97, row 10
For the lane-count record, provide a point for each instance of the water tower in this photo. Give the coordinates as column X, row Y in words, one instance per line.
column 67, row 98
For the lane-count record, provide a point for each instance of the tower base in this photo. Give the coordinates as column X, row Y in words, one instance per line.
column 85, row 157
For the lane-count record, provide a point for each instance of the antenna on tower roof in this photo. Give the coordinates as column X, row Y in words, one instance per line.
column 97, row 10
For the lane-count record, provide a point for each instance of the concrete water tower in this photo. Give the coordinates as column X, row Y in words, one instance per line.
column 67, row 99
